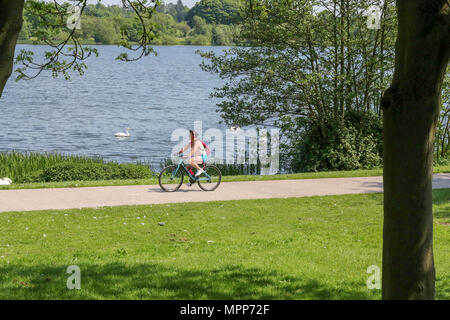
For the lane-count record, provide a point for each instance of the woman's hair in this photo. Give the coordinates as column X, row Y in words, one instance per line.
column 193, row 135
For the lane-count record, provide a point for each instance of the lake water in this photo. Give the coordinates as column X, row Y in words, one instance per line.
column 153, row 97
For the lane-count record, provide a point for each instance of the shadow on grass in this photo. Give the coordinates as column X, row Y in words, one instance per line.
column 153, row 281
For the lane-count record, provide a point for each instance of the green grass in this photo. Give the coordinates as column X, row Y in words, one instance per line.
column 306, row 175
column 297, row 248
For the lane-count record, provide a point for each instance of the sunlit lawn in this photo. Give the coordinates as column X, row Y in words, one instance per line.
column 297, row 248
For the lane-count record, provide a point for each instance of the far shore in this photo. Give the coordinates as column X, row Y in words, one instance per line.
column 31, row 42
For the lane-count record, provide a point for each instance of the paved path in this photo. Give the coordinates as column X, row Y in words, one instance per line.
column 67, row 198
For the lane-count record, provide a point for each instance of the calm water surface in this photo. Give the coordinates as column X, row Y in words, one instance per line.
column 153, row 97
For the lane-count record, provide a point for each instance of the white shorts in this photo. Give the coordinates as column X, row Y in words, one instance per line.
column 200, row 159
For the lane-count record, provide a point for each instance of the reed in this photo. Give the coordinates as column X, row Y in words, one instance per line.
column 18, row 165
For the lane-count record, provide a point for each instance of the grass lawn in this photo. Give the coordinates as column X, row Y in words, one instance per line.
column 306, row 175
column 296, row 248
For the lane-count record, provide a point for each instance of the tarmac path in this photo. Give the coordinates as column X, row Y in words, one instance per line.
column 90, row 197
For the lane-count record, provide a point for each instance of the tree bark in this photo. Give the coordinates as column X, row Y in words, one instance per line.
column 410, row 113
column 10, row 25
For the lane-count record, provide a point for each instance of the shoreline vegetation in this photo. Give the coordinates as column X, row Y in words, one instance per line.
column 88, row 43
column 54, row 170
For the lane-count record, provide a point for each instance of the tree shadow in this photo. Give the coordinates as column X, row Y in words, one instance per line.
column 153, row 281
column 373, row 185
column 441, row 200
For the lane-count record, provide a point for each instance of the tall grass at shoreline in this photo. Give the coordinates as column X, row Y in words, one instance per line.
column 30, row 165
column 17, row 165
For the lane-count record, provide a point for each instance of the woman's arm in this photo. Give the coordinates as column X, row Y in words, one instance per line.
column 196, row 146
column 185, row 148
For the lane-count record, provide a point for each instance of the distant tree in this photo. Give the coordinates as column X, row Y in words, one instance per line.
column 184, row 28
column 181, row 11
column 216, row 11
column 25, row 33
column 171, row 9
column 161, row 8
column 223, row 35
column 105, row 32
column 200, row 26
column 165, row 25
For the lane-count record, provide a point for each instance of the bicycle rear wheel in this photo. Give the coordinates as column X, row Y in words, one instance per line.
column 210, row 179
column 169, row 180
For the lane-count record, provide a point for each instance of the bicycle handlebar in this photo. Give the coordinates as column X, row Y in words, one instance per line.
column 180, row 155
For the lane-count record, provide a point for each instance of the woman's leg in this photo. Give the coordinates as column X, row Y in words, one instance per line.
column 194, row 161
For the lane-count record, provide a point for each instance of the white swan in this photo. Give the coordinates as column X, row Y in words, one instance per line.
column 122, row 135
column 5, row 182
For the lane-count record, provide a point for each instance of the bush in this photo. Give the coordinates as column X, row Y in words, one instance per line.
column 442, row 161
column 222, row 35
column 90, row 171
column 355, row 143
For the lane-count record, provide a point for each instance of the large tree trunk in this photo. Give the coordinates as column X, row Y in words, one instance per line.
column 10, row 26
column 410, row 111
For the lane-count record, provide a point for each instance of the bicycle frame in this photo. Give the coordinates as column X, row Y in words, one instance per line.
column 181, row 166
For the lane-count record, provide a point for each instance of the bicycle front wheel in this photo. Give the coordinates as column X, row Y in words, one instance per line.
column 210, row 179
column 171, row 180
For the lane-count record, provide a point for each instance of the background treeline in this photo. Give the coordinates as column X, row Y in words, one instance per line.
column 209, row 22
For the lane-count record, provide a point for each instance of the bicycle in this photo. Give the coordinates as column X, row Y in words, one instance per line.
column 171, row 177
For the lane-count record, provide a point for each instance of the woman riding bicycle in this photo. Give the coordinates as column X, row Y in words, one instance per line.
column 198, row 153
column 208, row 178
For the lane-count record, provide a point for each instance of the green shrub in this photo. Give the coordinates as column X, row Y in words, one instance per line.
column 442, row 161
column 355, row 143
column 89, row 172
